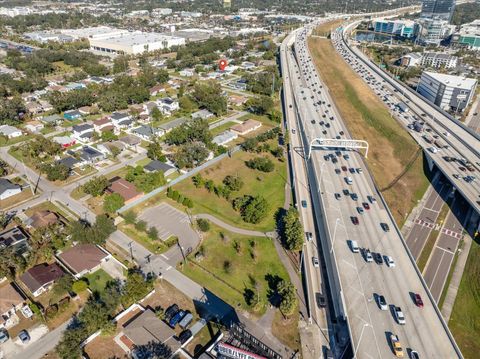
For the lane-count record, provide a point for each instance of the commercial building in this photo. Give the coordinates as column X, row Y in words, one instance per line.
column 94, row 33
column 403, row 28
column 437, row 60
column 469, row 35
column 433, row 31
column 448, row 92
column 438, row 9
column 135, row 43
column 411, row 59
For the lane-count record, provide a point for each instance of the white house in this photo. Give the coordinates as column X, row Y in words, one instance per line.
column 10, row 131
column 83, row 132
column 168, row 105
column 34, row 126
column 187, row 72
column 225, row 137
column 121, row 120
column 8, row 189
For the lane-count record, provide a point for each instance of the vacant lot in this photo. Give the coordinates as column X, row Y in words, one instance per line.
column 392, row 151
column 270, row 185
column 465, row 320
column 239, row 269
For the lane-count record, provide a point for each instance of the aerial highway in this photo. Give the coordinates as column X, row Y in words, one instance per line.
column 365, row 255
column 450, row 145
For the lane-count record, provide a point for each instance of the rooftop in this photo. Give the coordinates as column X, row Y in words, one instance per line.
column 82, row 257
column 452, row 80
column 9, row 297
column 127, row 190
column 36, row 277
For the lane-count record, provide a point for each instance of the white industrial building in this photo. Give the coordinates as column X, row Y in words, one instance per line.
column 448, row 92
column 437, row 60
column 93, row 33
column 134, row 43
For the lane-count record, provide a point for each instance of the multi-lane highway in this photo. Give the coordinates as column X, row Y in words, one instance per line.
column 451, row 146
column 347, row 207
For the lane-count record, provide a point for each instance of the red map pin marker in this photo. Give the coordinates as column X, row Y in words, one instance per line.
column 222, row 64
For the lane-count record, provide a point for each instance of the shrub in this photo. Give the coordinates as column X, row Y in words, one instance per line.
column 130, row 217
column 203, row 224
column 263, row 164
column 153, row 233
column 141, row 226
column 79, row 286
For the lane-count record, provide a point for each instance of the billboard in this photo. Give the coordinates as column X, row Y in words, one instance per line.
column 235, row 353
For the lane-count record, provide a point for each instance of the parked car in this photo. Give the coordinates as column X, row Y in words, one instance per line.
column 24, row 336
column 184, row 336
column 176, row 318
column 171, row 311
column 385, row 227
column 304, row 204
column 3, row 336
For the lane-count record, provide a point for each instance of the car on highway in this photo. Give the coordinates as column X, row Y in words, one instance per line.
column 309, row 236
column 360, row 210
column 354, row 196
column 293, row 130
column 377, row 257
column 367, row 255
column 346, row 157
column 414, row 355
column 315, row 262
column 396, row 346
column 399, row 316
column 304, row 203
column 352, row 170
column 381, row 302
column 24, row 336
column 355, row 220
column 338, row 196
column 372, row 199
column 337, row 171
column 389, row 261
column 344, row 168
column 366, row 205
column 346, row 192
column 418, row 300
column 359, row 170
column 385, row 226
column 348, row 180
column 353, row 246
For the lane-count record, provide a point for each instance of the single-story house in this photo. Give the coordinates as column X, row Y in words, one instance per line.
column 167, row 105
column 103, row 124
column 202, row 114
column 167, row 127
column 8, row 189
column 10, row 131
column 187, row 72
column 14, row 237
column 85, row 110
column 40, row 278
column 72, row 115
column 34, row 126
column 121, row 120
column 64, row 141
column 42, row 219
column 147, row 132
column 155, row 90
column 11, row 300
column 74, row 86
column 33, row 107
column 107, row 147
column 127, row 190
column 83, row 259
column 47, row 106
column 237, row 100
column 52, row 119
column 246, row 127
column 130, row 141
column 225, row 137
column 83, row 132
column 69, row 162
column 156, row 165
column 146, row 328
column 89, row 155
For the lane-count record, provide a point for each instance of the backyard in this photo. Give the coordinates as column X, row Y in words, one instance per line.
column 393, row 156
column 98, row 280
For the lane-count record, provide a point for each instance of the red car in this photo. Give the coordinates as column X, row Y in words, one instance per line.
column 344, row 168
column 355, row 220
column 418, row 300
column 366, row 205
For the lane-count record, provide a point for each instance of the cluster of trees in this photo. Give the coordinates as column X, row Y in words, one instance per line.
column 465, row 13
column 144, row 181
column 96, row 186
column 191, row 131
column 263, row 164
column 55, row 171
column 98, row 312
column 291, row 230
column 113, row 202
column 178, row 197
column 209, row 94
column 260, row 105
column 203, row 224
column 230, row 184
column 204, row 52
column 130, row 218
column 40, row 147
column 97, row 233
column 288, row 297
column 10, row 86
column 252, row 144
column 154, row 151
column 266, row 82
column 253, row 209
column 12, row 110
column 190, row 155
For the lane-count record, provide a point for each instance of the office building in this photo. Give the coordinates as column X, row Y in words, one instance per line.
column 403, row 28
column 433, row 31
column 448, row 92
column 438, row 9
column 437, row 60
column 469, row 35
column 135, row 43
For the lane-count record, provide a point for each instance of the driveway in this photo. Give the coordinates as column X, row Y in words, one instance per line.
column 14, row 346
column 113, row 268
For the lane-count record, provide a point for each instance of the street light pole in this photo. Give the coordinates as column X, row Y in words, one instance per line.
column 131, row 250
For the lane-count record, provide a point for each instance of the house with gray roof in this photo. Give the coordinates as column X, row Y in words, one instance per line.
column 156, row 165
column 10, row 131
column 147, row 132
column 8, row 189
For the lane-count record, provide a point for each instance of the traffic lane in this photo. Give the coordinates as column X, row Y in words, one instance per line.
column 416, row 239
column 436, row 273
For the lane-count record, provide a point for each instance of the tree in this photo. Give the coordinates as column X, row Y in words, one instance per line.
column 275, row 116
column 208, row 94
column 252, row 209
column 96, row 186
column 79, row 286
column 102, row 229
column 288, row 301
column 156, row 114
column 203, row 224
column 154, row 151
column 144, row 181
column 292, row 231
column 108, row 136
column 233, row 183
column 153, row 233
column 186, row 104
column 135, row 288
column 263, row 164
column 113, row 202
column 190, row 155
column 130, row 217
column 260, row 105
column 120, row 64
column 56, row 171
column 192, row 131
column 63, row 285
column 153, row 350
column 141, row 226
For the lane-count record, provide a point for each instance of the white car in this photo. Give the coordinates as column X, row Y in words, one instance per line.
column 315, row 261
column 309, row 236
column 433, row 149
column 390, row 262
column 399, row 316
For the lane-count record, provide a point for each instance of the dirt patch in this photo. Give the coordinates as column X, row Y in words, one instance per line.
column 286, row 329
column 391, row 148
column 104, row 347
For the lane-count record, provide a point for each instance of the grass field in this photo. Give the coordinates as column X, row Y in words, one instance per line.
column 97, row 280
column 256, row 260
column 391, row 148
column 217, row 130
column 465, row 320
column 269, row 185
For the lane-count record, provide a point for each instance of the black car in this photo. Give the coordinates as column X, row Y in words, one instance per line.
column 321, row 300
column 334, row 160
column 346, row 192
column 184, row 336
column 377, row 257
column 337, row 171
column 385, row 227
column 171, row 311
column 327, row 125
column 354, row 196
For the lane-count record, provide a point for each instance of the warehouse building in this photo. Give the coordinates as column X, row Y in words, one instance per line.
column 135, row 43
column 448, row 92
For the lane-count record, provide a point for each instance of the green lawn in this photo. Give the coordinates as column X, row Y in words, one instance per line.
column 269, row 185
column 255, row 261
column 217, row 130
column 98, row 280
column 465, row 320
column 4, row 141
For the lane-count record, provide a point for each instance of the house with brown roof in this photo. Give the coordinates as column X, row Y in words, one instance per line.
column 155, row 90
column 143, row 329
column 42, row 219
column 41, row 278
column 103, row 124
column 127, row 190
column 83, row 259
column 246, row 127
column 11, row 300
